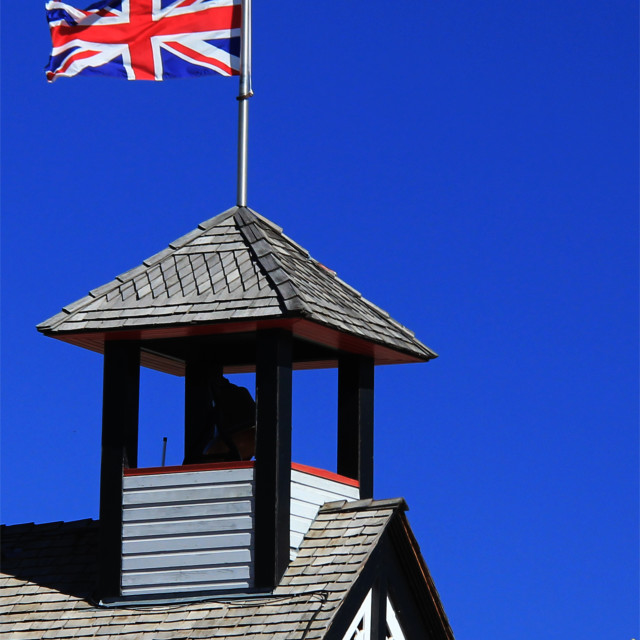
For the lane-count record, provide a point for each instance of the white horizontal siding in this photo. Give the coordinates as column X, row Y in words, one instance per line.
column 193, row 531
column 147, row 590
column 189, row 478
column 186, row 559
column 168, row 544
column 176, row 511
column 294, row 544
column 198, row 577
column 324, row 484
column 308, row 493
column 186, row 527
column 184, row 495
column 188, row 531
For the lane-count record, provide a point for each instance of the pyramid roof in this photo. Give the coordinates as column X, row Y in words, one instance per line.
column 237, row 268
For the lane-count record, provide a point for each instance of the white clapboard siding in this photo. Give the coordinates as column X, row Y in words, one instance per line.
column 185, row 495
column 170, row 544
column 308, row 493
column 188, row 531
column 148, row 590
column 200, row 578
column 187, row 559
column 194, row 531
column 182, row 527
column 303, row 509
column 189, row 510
column 190, row 478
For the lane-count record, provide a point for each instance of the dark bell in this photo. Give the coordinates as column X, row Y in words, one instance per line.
column 230, row 432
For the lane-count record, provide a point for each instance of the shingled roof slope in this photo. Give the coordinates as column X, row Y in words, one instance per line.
column 48, row 574
column 237, row 265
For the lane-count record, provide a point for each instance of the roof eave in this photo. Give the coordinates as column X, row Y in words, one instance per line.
column 301, row 327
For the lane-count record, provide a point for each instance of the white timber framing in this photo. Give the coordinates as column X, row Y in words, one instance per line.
column 360, row 628
column 394, row 631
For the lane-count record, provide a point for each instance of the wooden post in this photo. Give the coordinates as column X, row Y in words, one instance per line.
column 355, row 421
column 273, row 456
column 198, row 410
column 379, row 608
column 121, row 391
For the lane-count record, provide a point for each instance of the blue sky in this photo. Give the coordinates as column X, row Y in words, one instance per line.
column 472, row 168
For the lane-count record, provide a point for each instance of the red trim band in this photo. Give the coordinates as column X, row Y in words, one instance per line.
column 221, row 466
column 322, row 473
column 185, row 468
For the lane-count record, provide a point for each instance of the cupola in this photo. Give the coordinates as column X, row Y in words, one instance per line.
column 233, row 295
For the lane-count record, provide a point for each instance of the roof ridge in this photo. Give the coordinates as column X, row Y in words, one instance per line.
column 221, row 217
column 130, row 274
column 267, row 258
column 270, row 223
column 331, row 273
column 24, row 526
column 374, row 307
column 397, row 504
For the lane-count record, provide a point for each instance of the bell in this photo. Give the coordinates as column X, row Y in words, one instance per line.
column 235, row 423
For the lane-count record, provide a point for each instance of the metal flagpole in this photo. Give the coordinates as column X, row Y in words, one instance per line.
column 243, row 102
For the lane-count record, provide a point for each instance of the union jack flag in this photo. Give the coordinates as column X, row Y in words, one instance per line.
column 145, row 39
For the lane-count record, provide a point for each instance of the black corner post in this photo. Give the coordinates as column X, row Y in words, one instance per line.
column 379, row 607
column 273, row 456
column 198, row 410
column 355, row 420
column 120, row 401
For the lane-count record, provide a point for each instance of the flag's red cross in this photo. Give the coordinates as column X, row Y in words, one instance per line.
column 137, row 32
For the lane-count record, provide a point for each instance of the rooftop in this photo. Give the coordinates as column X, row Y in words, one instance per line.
column 48, row 578
column 237, row 267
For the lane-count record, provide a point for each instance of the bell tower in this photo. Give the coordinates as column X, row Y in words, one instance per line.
column 233, row 295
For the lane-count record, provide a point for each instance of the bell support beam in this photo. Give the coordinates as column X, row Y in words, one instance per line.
column 120, row 403
column 273, row 456
column 355, row 420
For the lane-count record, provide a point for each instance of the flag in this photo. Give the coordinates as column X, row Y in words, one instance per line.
column 145, row 39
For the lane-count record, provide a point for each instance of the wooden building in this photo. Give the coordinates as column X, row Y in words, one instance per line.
column 240, row 548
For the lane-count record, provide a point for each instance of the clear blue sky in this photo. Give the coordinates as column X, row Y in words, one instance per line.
column 471, row 167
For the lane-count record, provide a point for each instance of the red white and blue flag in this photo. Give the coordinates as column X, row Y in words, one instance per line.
column 145, row 39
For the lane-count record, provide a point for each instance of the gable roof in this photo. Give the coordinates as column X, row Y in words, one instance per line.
column 48, row 574
column 235, row 266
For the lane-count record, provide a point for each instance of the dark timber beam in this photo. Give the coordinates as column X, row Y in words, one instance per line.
column 121, row 390
column 355, row 421
column 379, row 608
column 273, row 456
column 198, row 409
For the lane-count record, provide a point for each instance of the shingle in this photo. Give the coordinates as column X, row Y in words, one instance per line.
column 217, row 220
column 158, row 257
column 185, row 239
column 244, row 254
column 270, row 618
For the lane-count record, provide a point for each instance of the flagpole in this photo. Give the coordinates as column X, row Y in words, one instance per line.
column 243, row 103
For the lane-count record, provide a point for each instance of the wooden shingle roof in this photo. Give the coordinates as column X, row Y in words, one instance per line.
column 48, row 578
column 236, row 267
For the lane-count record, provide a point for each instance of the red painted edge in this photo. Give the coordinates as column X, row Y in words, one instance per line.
column 322, row 473
column 185, row 468
column 218, row 466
